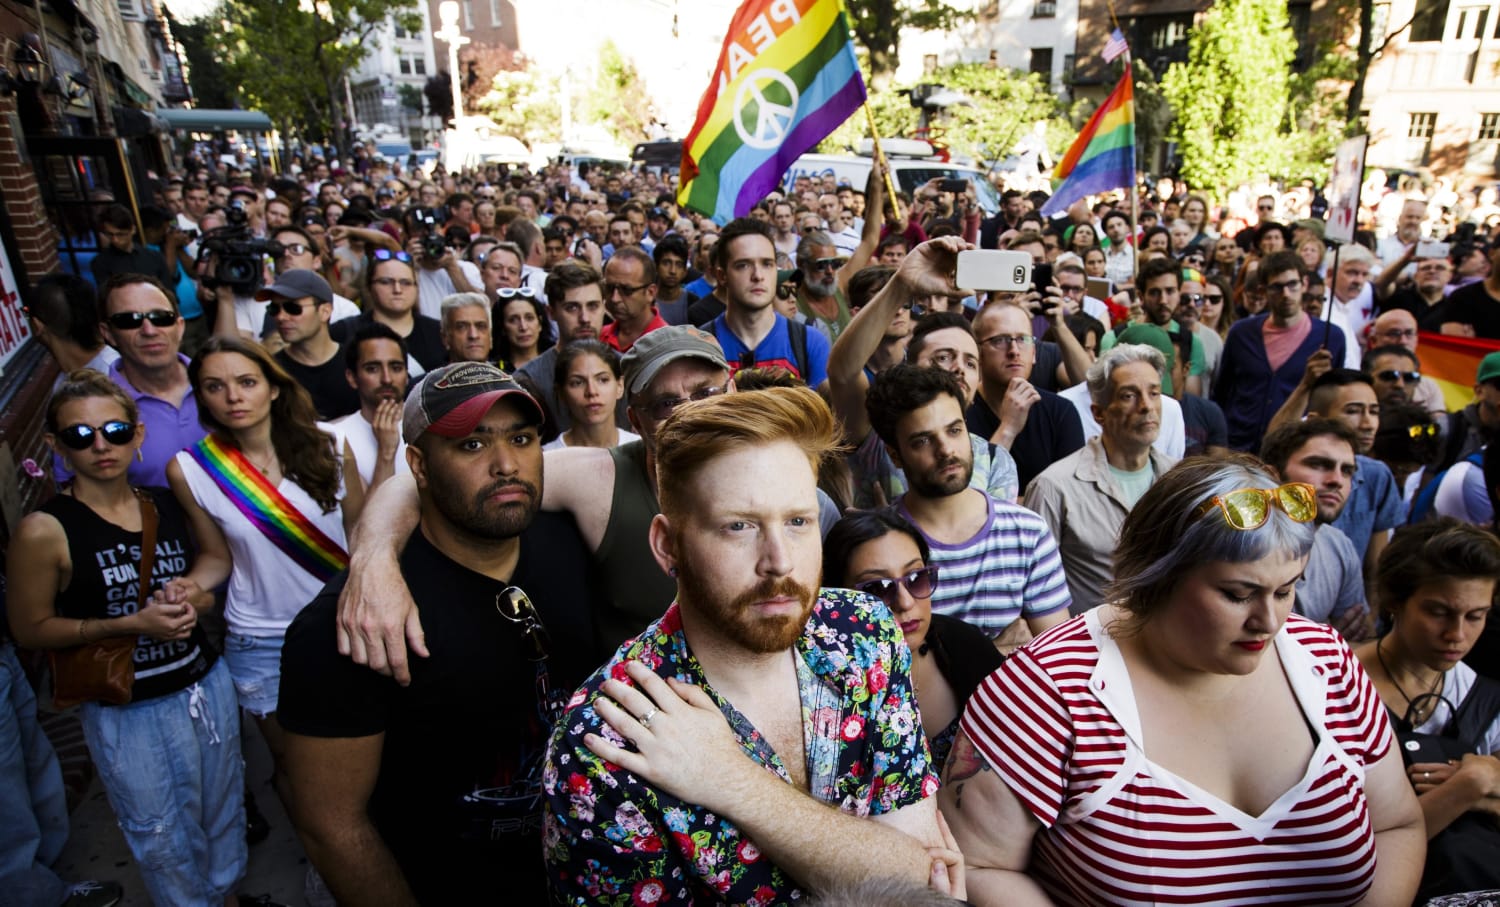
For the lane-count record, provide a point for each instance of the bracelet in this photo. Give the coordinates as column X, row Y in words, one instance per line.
column 81, row 624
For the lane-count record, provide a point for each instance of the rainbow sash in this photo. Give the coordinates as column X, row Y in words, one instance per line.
column 275, row 516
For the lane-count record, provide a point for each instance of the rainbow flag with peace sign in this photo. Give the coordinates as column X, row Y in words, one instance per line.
column 787, row 77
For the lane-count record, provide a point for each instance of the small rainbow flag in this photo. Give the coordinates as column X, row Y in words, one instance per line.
column 1453, row 362
column 787, row 77
column 1103, row 156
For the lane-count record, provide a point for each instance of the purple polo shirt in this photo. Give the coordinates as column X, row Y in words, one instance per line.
column 168, row 429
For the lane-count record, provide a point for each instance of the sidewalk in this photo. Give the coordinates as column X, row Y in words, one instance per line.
column 97, row 850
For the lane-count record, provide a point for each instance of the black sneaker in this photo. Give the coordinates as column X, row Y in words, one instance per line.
column 94, row 894
column 257, row 829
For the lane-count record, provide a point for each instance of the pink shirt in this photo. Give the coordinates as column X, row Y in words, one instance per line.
column 1281, row 343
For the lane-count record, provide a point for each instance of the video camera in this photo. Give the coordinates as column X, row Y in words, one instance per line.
column 238, row 255
column 434, row 244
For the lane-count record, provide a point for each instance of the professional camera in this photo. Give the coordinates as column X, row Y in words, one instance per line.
column 238, row 255
column 434, row 244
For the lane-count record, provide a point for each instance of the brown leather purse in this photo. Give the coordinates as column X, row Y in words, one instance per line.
column 104, row 671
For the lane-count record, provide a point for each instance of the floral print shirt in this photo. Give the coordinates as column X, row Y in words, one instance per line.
column 611, row 839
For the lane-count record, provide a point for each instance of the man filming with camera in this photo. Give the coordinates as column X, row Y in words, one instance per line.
column 440, row 273
column 233, row 264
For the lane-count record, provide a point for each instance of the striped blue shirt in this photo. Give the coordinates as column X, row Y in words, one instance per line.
column 1009, row 569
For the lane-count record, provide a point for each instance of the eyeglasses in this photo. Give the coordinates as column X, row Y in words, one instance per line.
column 918, row 584
column 625, row 290
column 513, row 292
column 826, row 264
column 1285, row 286
column 1393, row 374
column 404, row 283
column 1071, row 290
column 1249, row 508
column 1194, row 298
column 515, row 606
column 81, row 436
column 1424, row 430
column 1398, row 333
column 788, row 290
column 295, row 248
column 1213, row 297
column 387, row 255
column 291, row 307
column 130, row 321
column 1006, row 341
column 661, row 409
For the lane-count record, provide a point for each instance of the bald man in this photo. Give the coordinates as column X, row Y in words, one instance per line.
column 1398, row 327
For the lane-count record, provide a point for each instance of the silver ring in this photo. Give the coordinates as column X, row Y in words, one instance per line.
column 645, row 719
column 1426, row 776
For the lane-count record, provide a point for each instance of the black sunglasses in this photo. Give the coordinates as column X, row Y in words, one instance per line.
column 130, row 321
column 515, row 606
column 81, row 436
column 290, row 306
column 918, row 584
column 1392, row 374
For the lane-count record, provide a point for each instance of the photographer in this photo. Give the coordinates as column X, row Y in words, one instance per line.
column 232, row 264
column 440, row 273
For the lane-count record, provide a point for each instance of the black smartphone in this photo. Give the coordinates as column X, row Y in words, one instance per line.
column 1041, row 276
column 955, row 186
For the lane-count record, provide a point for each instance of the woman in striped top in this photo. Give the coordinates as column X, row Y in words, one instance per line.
column 1192, row 741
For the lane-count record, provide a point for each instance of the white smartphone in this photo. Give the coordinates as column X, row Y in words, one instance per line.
column 1429, row 248
column 991, row 269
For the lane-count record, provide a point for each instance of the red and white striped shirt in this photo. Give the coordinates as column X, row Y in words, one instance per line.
column 1058, row 722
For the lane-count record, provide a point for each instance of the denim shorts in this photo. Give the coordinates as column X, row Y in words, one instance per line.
column 173, row 772
column 255, row 665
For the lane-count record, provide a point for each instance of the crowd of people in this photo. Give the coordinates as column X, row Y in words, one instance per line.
column 554, row 536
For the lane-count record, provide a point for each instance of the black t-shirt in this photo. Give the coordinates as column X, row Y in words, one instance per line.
column 464, row 733
column 1203, row 425
column 331, row 393
column 140, row 260
column 1052, row 432
column 1409, row 300
column 424, row 343
column 1473, row 305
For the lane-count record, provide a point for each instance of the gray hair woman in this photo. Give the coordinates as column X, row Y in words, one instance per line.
column 1094, row 752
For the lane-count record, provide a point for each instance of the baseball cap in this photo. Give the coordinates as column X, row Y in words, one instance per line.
column 654, row 350
column 450, row 401
column 1489, row 369
column 1152, row 336
column 298, row 283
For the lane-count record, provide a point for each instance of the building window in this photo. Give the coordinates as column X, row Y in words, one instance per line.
column 419, row 65
column 1484, row 152
column 495, row 13
column 1041, row 62
column 1044, row 9
column 1419, row 132
column 405, row 65
column 1429, row 19
column 468, row 14
column 1471, row 22
column 1489, row 127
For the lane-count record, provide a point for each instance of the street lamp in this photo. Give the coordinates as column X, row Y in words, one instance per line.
column 448, row 15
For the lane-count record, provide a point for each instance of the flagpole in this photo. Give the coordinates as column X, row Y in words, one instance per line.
column 1135, row 195
column 890, row 185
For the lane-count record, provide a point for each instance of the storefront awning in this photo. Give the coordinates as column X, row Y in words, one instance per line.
column 199, row 120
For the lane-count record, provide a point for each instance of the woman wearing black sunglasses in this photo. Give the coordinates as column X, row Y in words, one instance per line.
column 169, row 758
column 881, row 554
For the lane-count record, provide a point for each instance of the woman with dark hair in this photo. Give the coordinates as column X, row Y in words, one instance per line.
column 1271, row 237
column 1191, row 740
column 169, row 759
column 1436, row 586
column 1216, row 314
column 522, row 330
column 881, row 554
column 589, row 384
column 265, row 484
column 1080, row 238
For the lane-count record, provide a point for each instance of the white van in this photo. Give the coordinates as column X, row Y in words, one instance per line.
column 912, row 164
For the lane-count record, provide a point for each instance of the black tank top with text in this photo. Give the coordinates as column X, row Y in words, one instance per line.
column 106, row 567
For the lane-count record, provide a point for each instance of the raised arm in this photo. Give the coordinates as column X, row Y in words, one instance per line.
column 869, row 238
column 1291, row 411
column 377, row 617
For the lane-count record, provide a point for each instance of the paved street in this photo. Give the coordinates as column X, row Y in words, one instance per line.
column 97, row 850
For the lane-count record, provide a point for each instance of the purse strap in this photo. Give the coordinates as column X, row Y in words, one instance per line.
column 150, row 520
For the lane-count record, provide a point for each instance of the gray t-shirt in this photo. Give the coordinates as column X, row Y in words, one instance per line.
column 1332, row 582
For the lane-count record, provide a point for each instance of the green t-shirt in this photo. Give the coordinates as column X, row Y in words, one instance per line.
column 1197, row 365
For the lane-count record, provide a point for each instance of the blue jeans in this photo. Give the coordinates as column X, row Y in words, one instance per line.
column 33, row 805
column 175, row 778
column 255, row 664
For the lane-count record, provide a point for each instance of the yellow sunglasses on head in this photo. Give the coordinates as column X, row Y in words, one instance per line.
column 1249, row 508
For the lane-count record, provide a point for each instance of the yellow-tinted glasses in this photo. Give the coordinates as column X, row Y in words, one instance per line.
column 1249, row 508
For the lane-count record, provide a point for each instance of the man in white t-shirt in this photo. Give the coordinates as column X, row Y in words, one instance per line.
column 371, row 438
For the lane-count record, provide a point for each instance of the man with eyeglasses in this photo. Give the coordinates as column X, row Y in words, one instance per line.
column 630, row 297
column 1395, row 372
column 429, row 793
column 1474, row 310
column 1085, row 497
column 1269, row 357
column 1398, row 328
column 300, row 251
column 300, row 304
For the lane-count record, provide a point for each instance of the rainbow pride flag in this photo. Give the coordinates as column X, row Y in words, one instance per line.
column 1103, row 156
column 278, row 519
column 1453, row 362
column 787, row 77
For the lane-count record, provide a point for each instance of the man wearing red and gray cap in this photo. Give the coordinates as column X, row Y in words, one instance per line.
column 428, row 793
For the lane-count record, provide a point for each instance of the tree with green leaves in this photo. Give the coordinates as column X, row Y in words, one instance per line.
column 878, row 24
column 525, row 104
column 290, row 59
column 618, row 100
column 205, row 68
column 1231, row 96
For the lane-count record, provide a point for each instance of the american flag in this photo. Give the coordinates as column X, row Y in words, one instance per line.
column 1115, row 46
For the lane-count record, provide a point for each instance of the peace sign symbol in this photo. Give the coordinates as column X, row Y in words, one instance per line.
column 771, row 120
